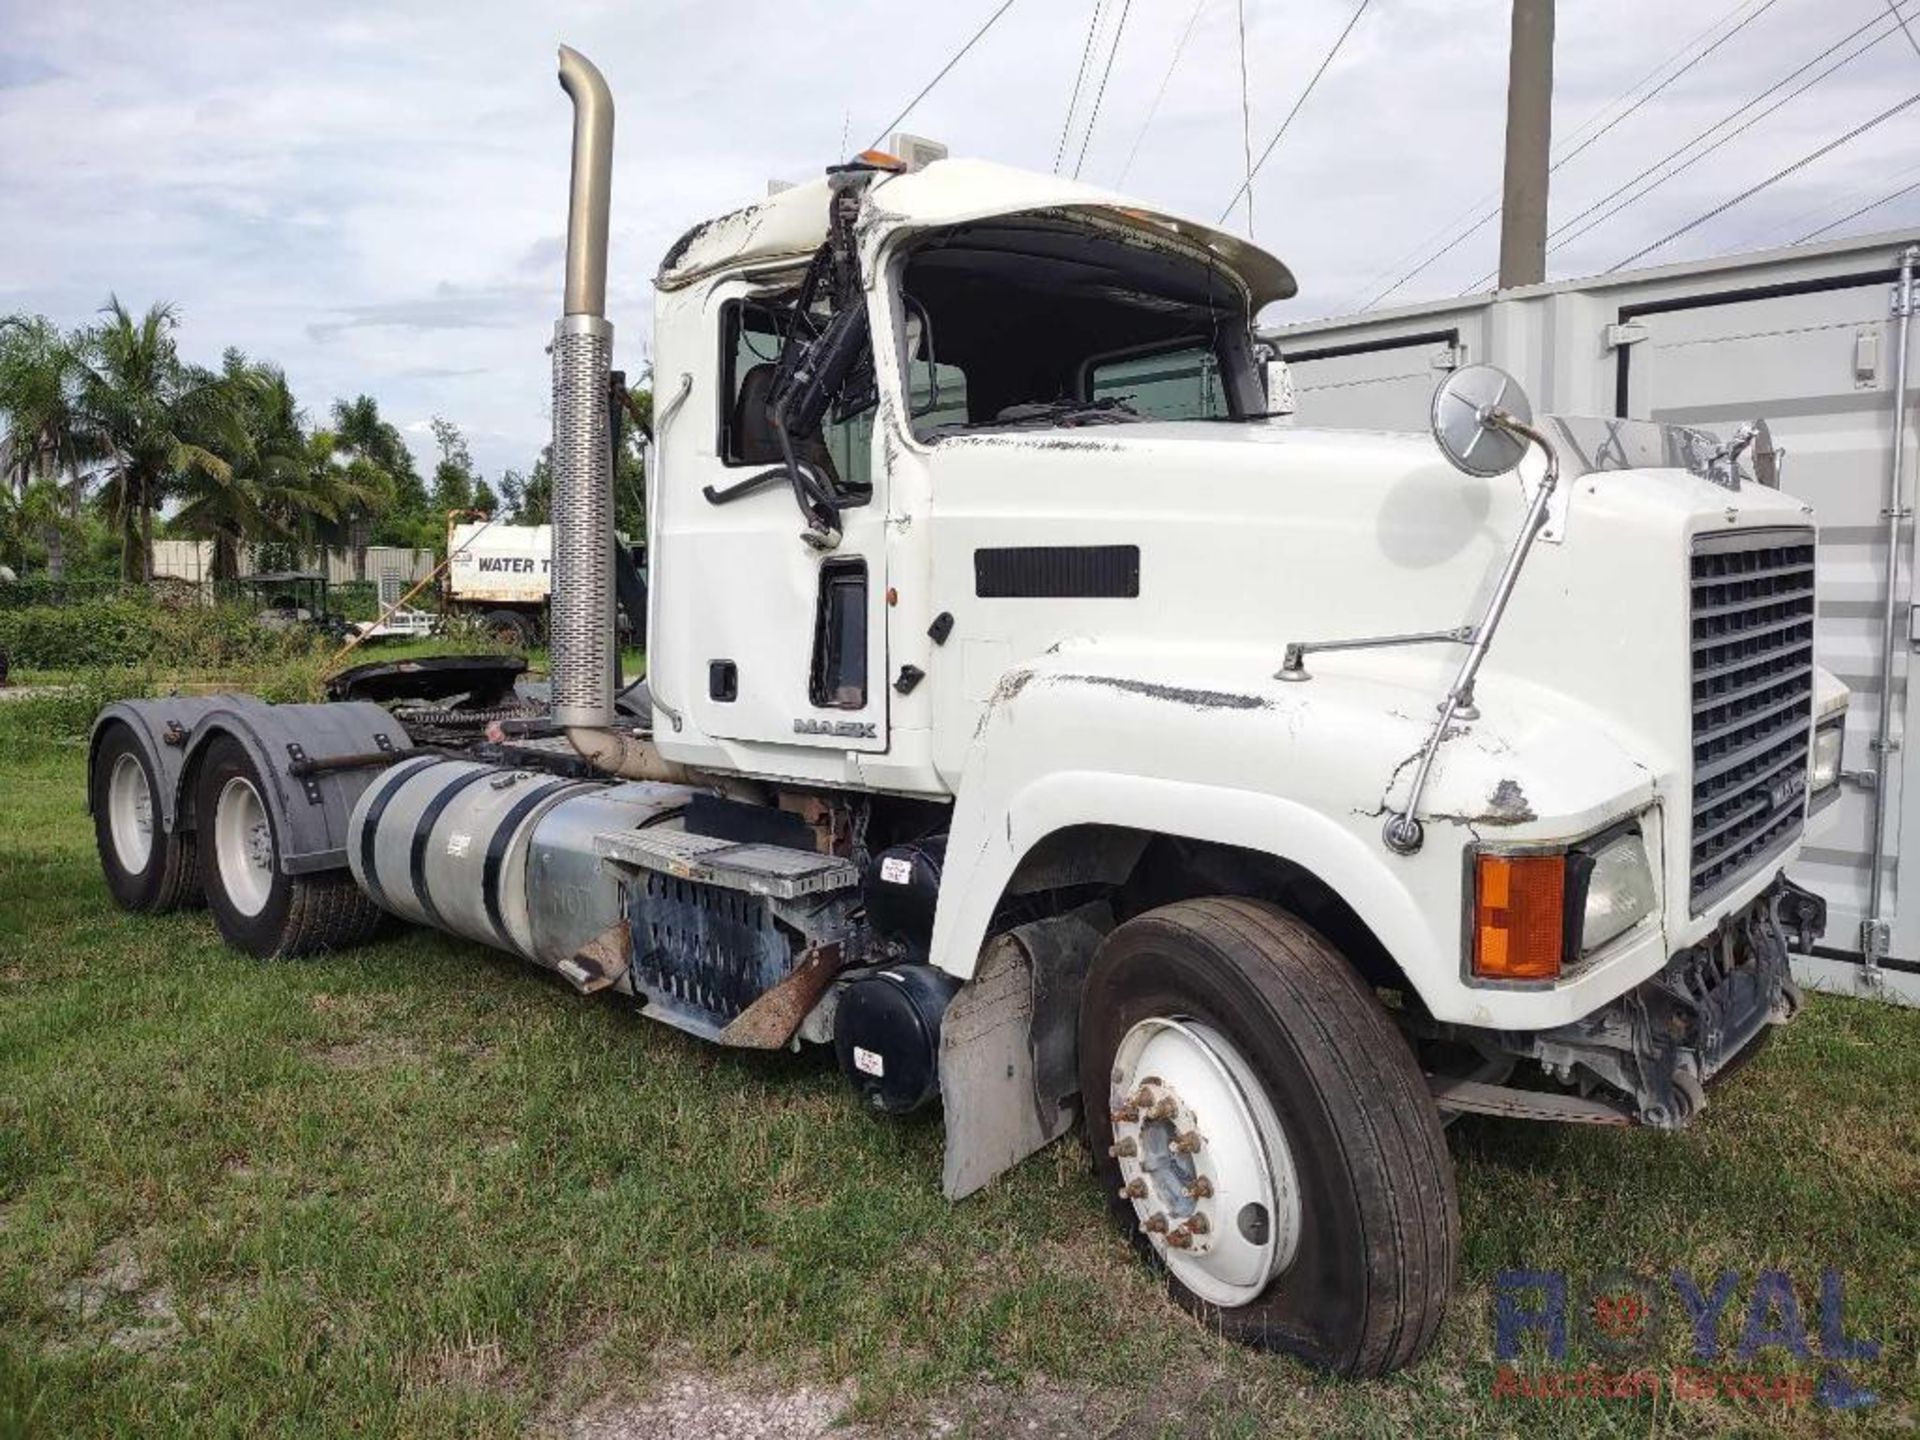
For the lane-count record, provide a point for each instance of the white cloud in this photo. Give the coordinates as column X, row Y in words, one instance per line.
column 373, row 195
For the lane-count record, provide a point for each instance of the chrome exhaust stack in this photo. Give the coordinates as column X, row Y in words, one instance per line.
column 581, row 609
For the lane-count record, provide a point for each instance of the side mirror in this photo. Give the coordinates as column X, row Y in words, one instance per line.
column 1469, row 410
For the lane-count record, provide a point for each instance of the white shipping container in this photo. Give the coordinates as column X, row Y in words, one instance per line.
column 1807, row 338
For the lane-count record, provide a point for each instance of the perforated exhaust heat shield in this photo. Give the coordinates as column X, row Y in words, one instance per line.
column 581, row 610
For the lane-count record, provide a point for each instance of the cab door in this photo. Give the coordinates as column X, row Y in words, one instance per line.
column 788, row 643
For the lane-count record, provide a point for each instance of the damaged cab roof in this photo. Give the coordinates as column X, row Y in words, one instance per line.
column 790, row 226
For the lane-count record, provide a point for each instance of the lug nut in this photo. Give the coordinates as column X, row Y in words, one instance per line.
column 1123, row 1148
column 1163, row 1109
column 1142, row 1097
column 1125, row 1115
column 1187, row 1141
column 1198, row 1224
column 1134, row 1189
column 1180, row 1239
column 1156, row 1224
column 1200, row 1189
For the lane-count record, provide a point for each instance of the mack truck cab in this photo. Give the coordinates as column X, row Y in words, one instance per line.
column 1041, row 722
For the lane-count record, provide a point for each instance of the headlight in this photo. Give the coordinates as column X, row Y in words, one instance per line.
column 1619, row 888
column 1829, row 748
column 1536, row 911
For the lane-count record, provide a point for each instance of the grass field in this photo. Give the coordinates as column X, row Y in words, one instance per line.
column 421, row 1189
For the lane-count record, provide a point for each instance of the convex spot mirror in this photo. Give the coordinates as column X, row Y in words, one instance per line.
column 1465, row 427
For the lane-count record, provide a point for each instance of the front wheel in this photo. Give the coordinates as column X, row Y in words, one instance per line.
column 1267, row 1136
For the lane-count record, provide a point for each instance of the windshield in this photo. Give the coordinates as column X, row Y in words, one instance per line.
column 1042, row 321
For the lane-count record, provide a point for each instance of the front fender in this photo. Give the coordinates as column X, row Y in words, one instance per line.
column 1305, row 773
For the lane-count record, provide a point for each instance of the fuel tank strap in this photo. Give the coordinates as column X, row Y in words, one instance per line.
column 395, row 780
column 423, row 831
column 502, row 841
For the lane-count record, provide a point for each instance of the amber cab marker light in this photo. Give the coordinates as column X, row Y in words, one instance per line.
column 1519, row 916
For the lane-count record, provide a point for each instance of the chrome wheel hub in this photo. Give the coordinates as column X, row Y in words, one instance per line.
column 245, row 844
column 1203, row 1160
column 130, row 814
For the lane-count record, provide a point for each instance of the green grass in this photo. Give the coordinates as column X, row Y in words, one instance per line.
column 420, row 1188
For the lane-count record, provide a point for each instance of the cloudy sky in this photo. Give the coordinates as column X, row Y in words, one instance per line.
column 372, row 195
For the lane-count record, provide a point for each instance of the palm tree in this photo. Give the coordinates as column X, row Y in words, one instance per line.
column 37, row 511
column 345, row 493
column 141, row 410
column 280, row 483
column 40, row 445
column 228, row 504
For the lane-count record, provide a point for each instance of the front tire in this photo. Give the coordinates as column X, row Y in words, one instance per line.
column 1266, row 1136
column 148, row 869
column 257, row 906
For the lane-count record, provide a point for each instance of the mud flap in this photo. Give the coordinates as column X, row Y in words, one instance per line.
column 1009, row 1043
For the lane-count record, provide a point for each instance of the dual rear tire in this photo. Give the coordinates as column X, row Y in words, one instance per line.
column 148, row 868
column 257, row 906
column 230, row 860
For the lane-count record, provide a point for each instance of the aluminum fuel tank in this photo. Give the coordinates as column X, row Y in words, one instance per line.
column 447, row 842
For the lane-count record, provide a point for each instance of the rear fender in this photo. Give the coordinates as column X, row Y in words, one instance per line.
column 309, row 811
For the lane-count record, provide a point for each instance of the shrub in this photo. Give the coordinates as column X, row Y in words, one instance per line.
column 179, row 637
column 67, row 712
column 69, row 637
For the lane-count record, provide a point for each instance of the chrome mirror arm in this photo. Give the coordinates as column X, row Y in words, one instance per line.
column 1403, row 832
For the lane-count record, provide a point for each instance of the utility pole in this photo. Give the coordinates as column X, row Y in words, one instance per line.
column 1523, row 206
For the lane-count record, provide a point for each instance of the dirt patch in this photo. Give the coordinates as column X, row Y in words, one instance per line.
column 716, row 1407
column 473, row 1364
column 1038, row 1410
column 116, row 1280
column 376, row 1052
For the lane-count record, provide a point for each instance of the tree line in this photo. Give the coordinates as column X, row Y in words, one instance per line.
column 109, row 436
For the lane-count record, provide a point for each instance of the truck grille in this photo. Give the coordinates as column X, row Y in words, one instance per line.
column 1752, row 702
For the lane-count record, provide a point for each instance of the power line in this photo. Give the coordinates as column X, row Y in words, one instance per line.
column 1795, row 224
column 1559, row 236
column 1327, row 60
column 1246, row 114
column 1093, row 119
column 958, row 55
column 1668, row 81
column 1856, row 214
column 1158, row 95
column 1490, row 215
column 1597, row 117
column 1778, row 175
column 1895, row 10
column 1079, row 78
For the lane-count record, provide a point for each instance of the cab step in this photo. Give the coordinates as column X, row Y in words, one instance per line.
column 772, row 871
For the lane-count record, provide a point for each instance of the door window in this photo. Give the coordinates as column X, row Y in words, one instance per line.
column 754, row 334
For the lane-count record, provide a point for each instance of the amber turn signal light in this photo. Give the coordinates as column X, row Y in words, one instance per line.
column 1519, row 916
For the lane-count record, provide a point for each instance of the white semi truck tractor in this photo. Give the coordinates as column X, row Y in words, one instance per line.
column 1048, row 728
